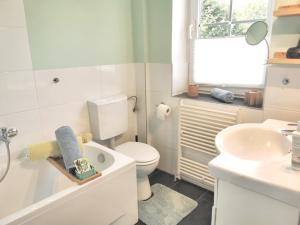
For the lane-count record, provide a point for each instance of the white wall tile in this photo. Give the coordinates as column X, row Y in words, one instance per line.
column 113, row 80
column 76, row 84
column 286, row 115
column 249, row 115
column 163, row 131
column 159, row 77
column 12, row 13
column 29, row 126
column 141, row 103
column 74, row 115
column 179, row 78
column 129, row 135
column 15, row 53
column 129, row 70
column 17, row 92
column 168, row 157
column 63, row 105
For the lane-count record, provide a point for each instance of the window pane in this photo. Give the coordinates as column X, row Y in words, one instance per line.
column 211, row 31
column 239, row 29
column 229, row 61
column 214, row 11
column 249, row 9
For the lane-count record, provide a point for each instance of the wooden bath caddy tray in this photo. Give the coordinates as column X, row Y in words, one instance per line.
column 59, row 164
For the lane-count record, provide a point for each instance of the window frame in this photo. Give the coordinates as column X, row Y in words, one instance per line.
column 194, row 34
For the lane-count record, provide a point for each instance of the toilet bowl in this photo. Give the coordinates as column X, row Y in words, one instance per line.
column 108, row 119
column 146, row 158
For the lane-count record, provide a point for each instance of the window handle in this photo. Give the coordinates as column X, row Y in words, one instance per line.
column 191, row 31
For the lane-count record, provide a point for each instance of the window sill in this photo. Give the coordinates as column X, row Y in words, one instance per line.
column 208, row 98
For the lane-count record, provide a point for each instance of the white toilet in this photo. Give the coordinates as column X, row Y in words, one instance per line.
column 108, row 119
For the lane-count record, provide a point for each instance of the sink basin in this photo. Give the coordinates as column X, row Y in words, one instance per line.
column 253, row 142
column 256, row 157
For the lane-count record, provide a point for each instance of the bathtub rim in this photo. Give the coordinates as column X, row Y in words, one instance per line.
column 121, row 164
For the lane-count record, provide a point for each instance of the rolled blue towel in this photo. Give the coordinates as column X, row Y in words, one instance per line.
column 223, row 95
column 68, row 145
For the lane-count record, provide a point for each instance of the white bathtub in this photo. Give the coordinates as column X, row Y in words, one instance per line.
column 36, row 193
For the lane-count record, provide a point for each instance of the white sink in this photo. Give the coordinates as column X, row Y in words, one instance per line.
column 253, row 142
column 256, row 157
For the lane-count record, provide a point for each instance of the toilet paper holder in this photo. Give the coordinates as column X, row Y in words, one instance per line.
column 163, row 111
column 159, row 104
column 163, row 104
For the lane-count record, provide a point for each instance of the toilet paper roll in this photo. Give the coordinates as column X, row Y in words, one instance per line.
column 163, row 111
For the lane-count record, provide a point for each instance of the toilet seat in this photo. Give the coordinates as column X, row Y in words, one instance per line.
column 142, row 153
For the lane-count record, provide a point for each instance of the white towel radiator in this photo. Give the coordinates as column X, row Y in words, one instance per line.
column 198, row 126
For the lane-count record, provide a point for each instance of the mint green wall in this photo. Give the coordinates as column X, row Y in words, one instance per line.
column 139, row 28
column 72, row 33
column 152, row 30
column 159, row 16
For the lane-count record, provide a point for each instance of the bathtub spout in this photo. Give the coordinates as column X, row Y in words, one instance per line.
column 5, row 135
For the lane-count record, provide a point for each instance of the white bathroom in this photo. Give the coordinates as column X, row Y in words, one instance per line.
column 150, row 112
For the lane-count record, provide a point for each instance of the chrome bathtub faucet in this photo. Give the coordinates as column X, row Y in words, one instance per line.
column 6, row 134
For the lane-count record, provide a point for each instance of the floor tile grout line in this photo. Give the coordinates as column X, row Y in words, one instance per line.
column 201, row 196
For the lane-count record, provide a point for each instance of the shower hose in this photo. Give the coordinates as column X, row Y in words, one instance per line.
column 8, row 162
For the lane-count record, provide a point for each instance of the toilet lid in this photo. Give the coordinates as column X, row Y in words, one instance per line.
column 140, row 152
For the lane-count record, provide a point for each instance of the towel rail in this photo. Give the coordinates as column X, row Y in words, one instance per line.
column 198, row 127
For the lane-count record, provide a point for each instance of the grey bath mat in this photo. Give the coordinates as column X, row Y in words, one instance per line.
column 166, row 207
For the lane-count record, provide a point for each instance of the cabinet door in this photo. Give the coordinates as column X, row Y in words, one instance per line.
column 239, row 206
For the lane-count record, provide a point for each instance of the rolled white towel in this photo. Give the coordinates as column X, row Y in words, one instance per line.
column 223, row 95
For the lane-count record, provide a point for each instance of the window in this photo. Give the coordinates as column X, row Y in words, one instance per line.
column 220, row 55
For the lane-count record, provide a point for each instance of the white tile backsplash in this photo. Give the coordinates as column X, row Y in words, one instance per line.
column 130, row 74
column 278, row 114
column 29, row 126
column 12, row 13
column 159, row 78
column 31, row 102
column 141, row 102
column 74, row 115
column 17, row 92
column 15, row 53
column 113, row 81
column 75, row 84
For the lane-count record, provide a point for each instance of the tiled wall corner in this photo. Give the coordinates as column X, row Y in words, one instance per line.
column 162, row 134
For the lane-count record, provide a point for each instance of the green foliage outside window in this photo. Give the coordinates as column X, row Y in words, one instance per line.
column 225, row 18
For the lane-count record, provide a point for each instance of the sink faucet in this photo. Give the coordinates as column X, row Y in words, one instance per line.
column 287, row 132
column 6, row 134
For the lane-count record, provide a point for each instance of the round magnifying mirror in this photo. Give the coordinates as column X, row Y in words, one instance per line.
column 256, row 33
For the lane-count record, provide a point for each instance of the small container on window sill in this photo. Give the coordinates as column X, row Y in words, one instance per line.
column 253, row 98
column 193, row 90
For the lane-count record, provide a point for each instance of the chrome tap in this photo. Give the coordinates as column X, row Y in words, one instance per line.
column 6, row 134
column 287, row 132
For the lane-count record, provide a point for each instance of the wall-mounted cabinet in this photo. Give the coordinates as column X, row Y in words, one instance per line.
column 280, row 58
column 289, row 10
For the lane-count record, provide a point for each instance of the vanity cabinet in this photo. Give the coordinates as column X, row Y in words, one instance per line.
column 234, row 205
column 255, row 182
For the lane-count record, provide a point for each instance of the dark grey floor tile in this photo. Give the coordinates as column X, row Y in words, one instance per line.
column 208, row 196
column 189, row 190
column 200, row 216
column 161, row 177
column 140, row 223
